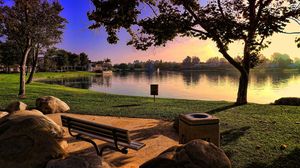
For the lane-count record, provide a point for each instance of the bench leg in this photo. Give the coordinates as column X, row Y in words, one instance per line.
column 100, row 152
column 78, row 137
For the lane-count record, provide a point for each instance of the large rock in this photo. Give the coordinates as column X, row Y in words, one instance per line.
column 29, row 139
column 16, row 106
column 79, row 161
column 195, row 154
column 3, row 113
column 50, row 105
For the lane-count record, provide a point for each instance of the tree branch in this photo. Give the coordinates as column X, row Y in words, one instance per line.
column 225, row 54
column 193, row 14
column 290, row 32
column 197, row 30
column 221, row 9
column 147, row 3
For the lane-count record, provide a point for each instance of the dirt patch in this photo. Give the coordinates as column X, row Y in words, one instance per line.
column 158, row 136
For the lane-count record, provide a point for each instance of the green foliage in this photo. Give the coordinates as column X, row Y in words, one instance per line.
column 58, row 58
column 34, row 20
column 31, row 25
column 281, row 60
column 84, row 59
column 8, row 55
column 122, row 67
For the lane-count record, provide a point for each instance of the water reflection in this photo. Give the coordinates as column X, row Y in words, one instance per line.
column 100, row 80
column 264, row 87
column 82, row 82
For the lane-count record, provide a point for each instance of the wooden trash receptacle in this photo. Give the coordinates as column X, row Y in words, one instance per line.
column 199, row 126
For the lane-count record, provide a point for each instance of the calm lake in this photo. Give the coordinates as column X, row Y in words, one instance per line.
column 264, row 87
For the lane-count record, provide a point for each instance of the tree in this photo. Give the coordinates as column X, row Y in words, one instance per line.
column 250, row 21
column 281, row 60
column 213, row 60
column 74, row 59
column 195, row 60
column 31, row 24
column 50, row 29
column 187, row 62
column 8, row 55
column 84, row 59
column 48, row 59
column 123, row 67
column 297, row 62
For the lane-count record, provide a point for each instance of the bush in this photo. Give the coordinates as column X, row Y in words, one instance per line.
column 292, row 101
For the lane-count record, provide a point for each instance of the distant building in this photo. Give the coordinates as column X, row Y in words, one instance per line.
column 95, row 66
column 100, row 66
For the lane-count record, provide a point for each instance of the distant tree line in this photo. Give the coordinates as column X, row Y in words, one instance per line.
column 276, row 60
column 149, row 65
column 59, row 59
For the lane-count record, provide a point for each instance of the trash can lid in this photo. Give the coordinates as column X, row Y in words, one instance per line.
column 199, row 118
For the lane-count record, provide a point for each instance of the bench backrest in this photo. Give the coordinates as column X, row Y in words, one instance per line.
column 95, row 130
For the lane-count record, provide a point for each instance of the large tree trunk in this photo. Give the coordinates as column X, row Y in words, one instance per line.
column 23, row 73
column 243, row 88
column 33, row 66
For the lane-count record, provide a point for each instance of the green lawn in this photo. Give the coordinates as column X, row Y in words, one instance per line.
column 251, row 134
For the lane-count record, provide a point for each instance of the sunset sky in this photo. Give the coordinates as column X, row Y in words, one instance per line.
column 78, row 38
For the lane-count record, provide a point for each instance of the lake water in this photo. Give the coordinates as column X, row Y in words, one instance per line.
column 264, row 87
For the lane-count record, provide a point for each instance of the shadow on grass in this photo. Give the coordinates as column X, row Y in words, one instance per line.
column 127, row 105
column 233, row 135
column 219, row 109
column 291, row 160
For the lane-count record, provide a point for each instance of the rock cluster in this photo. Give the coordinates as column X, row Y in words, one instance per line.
column 29, row 139
column 194, row 154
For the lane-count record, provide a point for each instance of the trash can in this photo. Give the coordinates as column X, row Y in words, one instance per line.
column 199, row 126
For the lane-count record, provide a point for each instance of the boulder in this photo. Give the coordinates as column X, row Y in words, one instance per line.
column 29, row 139
column 69, row 162
column 63, row 144
column 79, row 161
column 16, row 106
column 194, row 154
column 3, row 113
column 50, row 105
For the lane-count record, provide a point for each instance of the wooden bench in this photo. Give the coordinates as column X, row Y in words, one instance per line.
column 85, row 130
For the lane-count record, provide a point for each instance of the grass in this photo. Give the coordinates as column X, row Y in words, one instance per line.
column 251, row 134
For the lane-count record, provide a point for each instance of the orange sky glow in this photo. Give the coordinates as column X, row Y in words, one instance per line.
column 178, row 49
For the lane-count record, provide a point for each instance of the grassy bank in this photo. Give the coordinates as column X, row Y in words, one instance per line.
column 251, row 134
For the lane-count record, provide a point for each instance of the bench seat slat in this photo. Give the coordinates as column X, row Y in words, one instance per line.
column 67, row 123
column 94, row 124
column 96, row 130
column 74, row 128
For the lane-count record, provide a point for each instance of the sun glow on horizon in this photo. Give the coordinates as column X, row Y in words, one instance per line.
column 178, row 49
